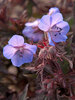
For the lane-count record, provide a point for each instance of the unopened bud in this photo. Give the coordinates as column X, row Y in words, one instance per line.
column 43, row 52
column 52, row 50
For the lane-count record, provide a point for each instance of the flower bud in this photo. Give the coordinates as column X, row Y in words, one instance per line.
column 52, row 50
column 43, row 52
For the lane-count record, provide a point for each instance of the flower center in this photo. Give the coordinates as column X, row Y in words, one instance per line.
column 55, row 30
column 20, row 50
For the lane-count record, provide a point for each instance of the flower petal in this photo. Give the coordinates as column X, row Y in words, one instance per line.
column 45, row 22
column 37, row 36
column 16, row 40
column 50, row 41
column 32, row 48
column 28, row 56
column 9, row 51
column 58, row 37
column 28, row 31
column 33, row 24
column 33, row 33
column 53, row 10
column 64, row 26
column 18, row 60
column 56, row 18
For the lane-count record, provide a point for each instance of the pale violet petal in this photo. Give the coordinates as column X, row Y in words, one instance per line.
column 18, row 60
column 57, row 37
column 45, row 22
column 28, row 56
column 28, row 31
column 16, row 40
column 37, row 36
column 53, row 10
column 9, row 51
column 32, row 48
column 50, row 41
column 33, row 33
column 64, row 26
column 33, row 24
column 56, row 18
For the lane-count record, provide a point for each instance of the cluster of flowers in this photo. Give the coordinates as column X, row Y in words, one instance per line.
column 51, row 24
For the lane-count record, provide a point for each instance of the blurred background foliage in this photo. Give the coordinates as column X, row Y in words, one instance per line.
column 19, row 83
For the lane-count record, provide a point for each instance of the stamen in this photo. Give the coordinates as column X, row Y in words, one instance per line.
column 59, row 33
column 57, row 28
column 55, row 35
column 21, row 54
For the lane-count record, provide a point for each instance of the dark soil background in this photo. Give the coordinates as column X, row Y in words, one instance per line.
column 19, row 83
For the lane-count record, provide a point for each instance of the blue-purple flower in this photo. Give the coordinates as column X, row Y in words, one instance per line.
column 32, row 31
column 55, row 27
column 33, row 24
column 53, row 10
column 18, row 51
